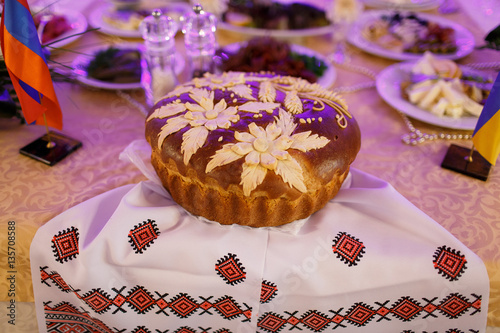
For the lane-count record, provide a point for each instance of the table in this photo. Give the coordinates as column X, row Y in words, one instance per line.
column 32, row 193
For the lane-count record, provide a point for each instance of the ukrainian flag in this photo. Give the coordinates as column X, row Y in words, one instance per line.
column 27, row 65
column 486, row 136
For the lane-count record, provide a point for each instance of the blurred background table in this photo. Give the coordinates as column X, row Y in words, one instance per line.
column 106, row 121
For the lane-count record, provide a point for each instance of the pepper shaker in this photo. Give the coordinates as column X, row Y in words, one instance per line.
column 158, row 57
column 199, row 29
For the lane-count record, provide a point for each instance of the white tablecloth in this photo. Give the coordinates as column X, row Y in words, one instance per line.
column 131, row 260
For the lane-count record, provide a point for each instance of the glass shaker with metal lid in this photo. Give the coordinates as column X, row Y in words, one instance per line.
column 199, row 29
column 158, row 74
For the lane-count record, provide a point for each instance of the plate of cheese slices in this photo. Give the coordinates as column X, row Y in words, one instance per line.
column 451, row 101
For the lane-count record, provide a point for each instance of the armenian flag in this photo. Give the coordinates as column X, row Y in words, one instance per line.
column 27, row 65
column 486, row 135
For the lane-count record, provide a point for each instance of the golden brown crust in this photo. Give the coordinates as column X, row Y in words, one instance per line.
column 329, row 146
column 231, row 206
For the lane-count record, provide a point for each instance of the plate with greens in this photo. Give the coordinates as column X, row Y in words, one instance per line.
column 114, row 67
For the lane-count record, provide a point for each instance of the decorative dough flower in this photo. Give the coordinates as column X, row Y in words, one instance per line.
column 203, row 117
column 267, row 149
column 232, row 81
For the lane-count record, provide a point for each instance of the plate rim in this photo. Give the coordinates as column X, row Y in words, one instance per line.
column 331, row 71
column 465, row 38
column 96, row 20
column 85, row 58
column 276, row 32
column 79, row 19
column 428, row 5
column 382, row 83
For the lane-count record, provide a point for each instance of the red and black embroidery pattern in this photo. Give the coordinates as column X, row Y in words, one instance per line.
column 65, row 317
column 183, row 305
column 98, row 300
column 143, row 235
column 55, row 278
column 65, row 245
column 449, row 262
column 230, row 269
column 142, row 301
column 361, row 314
column 348, row 249
column 268, row 291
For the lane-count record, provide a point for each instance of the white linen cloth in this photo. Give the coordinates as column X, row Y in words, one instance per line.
column 132, row 260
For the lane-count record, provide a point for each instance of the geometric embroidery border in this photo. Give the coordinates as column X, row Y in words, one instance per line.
column 183, row 306
column 142, row 301
column 65, row 317
column 361, row 314
column 449, row 263
column 65, row 245
column 348, row 249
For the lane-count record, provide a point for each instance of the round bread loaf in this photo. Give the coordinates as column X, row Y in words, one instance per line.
column 252, row 149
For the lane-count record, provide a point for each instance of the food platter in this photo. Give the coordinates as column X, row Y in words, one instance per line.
column 388, row 85
column 403, row 4
column 78, row 24
column 326, row 80
column 316, row 6
column 464, row 38
column 98, row 15
column 81, row 62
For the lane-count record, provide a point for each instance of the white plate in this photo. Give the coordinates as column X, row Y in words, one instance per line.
column 326, row 80
column 463, row 37
column 83, row 60
column 78, row 24
column 389, row 87
column 404, row 4
column 96, row 19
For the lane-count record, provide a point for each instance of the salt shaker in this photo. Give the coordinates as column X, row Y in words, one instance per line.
column 199, row 29
column 158, row 56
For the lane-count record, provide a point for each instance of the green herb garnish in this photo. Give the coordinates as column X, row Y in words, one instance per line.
column 312, row 63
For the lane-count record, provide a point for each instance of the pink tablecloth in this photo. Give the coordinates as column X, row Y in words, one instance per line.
column 32, row 194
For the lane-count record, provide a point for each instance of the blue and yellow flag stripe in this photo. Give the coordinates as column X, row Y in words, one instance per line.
column 486, row 135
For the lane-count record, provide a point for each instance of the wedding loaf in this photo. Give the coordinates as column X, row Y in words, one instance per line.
column 252, row 149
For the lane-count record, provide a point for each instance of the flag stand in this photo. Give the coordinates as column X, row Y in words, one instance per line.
column 50, row 142
column 466, row 161
column 51, row 148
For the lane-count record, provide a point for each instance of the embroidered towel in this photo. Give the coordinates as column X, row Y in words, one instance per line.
column 132, row 260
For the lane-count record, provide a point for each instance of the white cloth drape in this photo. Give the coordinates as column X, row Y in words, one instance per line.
column 132, row 260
